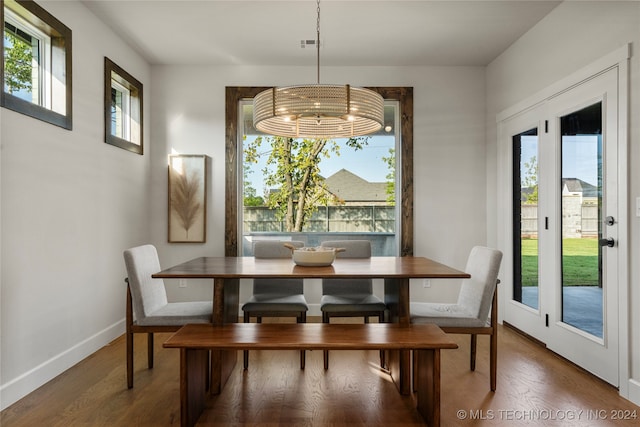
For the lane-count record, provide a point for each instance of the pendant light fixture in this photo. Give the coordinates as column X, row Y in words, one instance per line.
column 318, row 111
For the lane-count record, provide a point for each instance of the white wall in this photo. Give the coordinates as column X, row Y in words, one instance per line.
column 574, row 35
column 188, row 116
column 70, row 205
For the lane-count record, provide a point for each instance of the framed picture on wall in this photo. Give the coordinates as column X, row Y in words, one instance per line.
column 187, row 219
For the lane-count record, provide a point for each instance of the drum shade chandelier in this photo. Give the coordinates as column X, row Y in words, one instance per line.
column 318, row 111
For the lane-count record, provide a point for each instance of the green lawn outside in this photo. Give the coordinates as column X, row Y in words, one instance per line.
column 580, row 262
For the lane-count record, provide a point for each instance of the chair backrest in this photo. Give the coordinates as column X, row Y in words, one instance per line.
column 275, row 249
column 476, row 293
column 354, row 249
column 147, row 294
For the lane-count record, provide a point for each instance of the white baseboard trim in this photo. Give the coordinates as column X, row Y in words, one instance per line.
column 634, row 391
column 21, row 386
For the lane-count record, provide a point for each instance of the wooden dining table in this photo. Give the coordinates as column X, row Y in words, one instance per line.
column 227, row 271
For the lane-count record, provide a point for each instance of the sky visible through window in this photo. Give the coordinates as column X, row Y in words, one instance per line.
column 366, row 163
column 580, row 156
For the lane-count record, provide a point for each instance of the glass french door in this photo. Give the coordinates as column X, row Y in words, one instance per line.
column 564, row 205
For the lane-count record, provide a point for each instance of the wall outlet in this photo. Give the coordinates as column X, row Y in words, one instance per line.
column 183, row 283
column 426, row 283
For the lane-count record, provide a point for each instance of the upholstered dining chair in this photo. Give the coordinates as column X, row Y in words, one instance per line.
column 148, row 310
column 275, row 297
column 475, row 312
column 350, row 297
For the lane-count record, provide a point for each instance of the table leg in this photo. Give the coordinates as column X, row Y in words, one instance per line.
column 193, row 384
column 396, row 296
column 226, row 296
column 428, row 385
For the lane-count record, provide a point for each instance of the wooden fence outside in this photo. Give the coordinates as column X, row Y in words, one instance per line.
column 367, row 219
column 578, row 220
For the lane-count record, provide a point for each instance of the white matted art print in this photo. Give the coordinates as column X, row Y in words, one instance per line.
column 187, row 198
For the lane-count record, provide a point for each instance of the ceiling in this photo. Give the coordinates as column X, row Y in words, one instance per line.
column 352, row 32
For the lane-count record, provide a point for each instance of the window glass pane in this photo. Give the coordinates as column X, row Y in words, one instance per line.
column 120, row 111
column 21, row 59
column 349, row 187
column 116, row 112
column 582, row 184
column 525, row 218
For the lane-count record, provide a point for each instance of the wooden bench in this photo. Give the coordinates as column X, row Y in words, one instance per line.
column 196, row 340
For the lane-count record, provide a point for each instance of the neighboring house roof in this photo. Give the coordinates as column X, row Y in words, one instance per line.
column 351, row 188
column 575, row 185
column 569, row 185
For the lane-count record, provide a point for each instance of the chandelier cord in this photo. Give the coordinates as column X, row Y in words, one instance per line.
column 318, row 40
column 318, row 111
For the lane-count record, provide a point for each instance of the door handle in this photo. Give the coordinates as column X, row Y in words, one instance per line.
column 610, row 220
column 608, row 242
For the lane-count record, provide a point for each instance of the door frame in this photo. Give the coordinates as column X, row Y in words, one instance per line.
column 620, row 59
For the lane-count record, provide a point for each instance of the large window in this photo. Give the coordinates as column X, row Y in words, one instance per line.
column 312, row 188
column 122, row 108
column 36, row 66
column 399, row 224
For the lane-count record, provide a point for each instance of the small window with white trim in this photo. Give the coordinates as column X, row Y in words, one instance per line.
column 36, row 66
column 122, row 108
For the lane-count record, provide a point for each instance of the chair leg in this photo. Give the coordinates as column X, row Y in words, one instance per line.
column 245, row 353
column 302, row 319
column 493, row 350
column 472, row 358
column 129, row 359
column 129, row 335
column 150, row 350
column 325, row 353
column 383, row 363
column 493, row 358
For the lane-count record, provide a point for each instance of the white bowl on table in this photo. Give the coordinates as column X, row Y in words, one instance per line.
column 313, row 256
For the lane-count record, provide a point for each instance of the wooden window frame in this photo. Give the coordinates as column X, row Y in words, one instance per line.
column 61, row 61
column 234, row 94
column 136, row 95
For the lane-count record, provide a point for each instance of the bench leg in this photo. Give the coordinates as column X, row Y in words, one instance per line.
column 399, row 366
column 428, row 385
column 193, row 384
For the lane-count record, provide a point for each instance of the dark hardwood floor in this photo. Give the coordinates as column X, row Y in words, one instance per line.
column 535, row 387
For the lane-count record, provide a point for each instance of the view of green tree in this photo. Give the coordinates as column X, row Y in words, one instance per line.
column 293, row 170
column 391, row 177
column 249, row 193
column 18, row 56
column 530, row 180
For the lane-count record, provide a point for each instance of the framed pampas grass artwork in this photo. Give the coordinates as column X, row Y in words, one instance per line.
column 187, row 198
